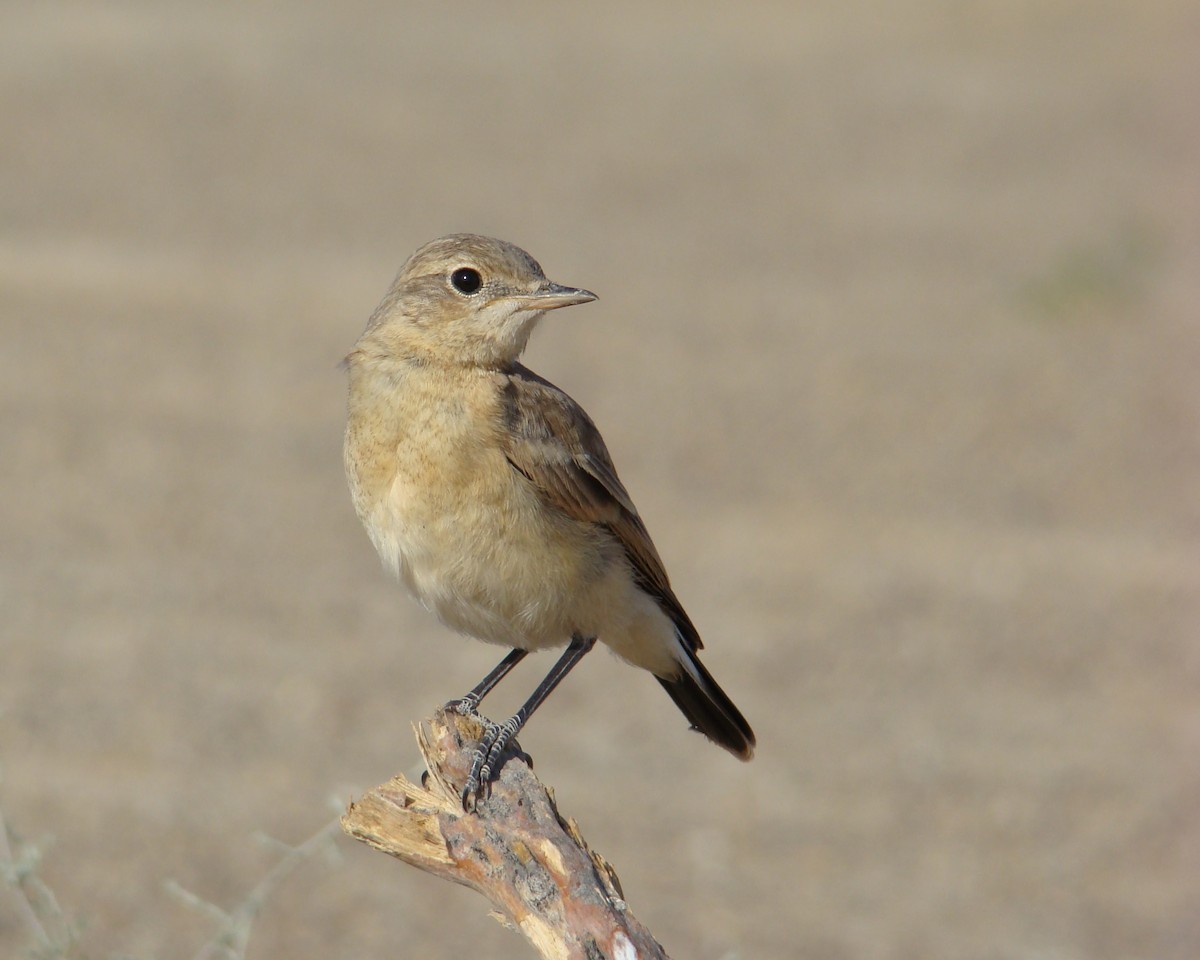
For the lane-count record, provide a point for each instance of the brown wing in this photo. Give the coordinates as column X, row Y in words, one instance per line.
column 555, row 445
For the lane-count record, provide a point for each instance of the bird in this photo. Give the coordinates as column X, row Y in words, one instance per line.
column 491, row 494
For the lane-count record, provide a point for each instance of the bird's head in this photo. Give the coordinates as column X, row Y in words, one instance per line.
column 464, row 299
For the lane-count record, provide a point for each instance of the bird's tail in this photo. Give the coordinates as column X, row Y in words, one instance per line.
column 707, row 707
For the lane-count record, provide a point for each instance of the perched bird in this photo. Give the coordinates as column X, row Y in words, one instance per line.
column 491, row 494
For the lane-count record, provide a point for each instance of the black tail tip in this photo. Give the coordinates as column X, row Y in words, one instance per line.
column 711, row 712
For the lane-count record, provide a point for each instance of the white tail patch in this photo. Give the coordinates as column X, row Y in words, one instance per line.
column 687, row 660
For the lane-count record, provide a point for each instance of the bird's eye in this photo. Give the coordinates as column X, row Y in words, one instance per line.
column 466, row 280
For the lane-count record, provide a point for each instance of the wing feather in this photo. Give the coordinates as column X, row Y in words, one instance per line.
column 553, row 443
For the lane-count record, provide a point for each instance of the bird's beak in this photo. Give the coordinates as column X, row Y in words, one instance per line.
column 551, row 296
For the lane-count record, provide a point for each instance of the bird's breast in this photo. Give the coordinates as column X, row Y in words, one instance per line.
column 450, row 516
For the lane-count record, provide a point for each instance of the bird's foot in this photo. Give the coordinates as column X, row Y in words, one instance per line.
column 492, row 745
column 469, row 707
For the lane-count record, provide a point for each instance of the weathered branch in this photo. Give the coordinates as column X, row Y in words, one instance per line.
column 516, row 849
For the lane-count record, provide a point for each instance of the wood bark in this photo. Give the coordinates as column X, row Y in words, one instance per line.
column 515, row 848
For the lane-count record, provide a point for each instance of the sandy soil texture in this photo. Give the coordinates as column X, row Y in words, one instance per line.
column 897, row 350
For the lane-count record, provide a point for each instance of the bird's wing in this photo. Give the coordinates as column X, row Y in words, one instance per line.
column 553, row 443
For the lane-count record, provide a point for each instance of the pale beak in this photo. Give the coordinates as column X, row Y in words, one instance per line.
column 551, row 296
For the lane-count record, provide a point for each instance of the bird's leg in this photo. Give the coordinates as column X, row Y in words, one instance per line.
column 468, row 706
column 496, row 738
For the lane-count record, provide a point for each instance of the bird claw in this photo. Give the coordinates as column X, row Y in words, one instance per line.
column 469, row 707
column 464, row 707
column 495, row 740
column 475, row 789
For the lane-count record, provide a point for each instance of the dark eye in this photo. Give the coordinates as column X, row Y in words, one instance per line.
column 466, row 280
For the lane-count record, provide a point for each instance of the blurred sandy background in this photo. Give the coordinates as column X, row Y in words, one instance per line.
column 897, row 350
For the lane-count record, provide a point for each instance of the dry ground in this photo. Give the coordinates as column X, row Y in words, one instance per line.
column 897, row 349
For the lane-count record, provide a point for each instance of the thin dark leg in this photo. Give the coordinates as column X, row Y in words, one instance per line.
column 469, row 704
column 496, row 739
